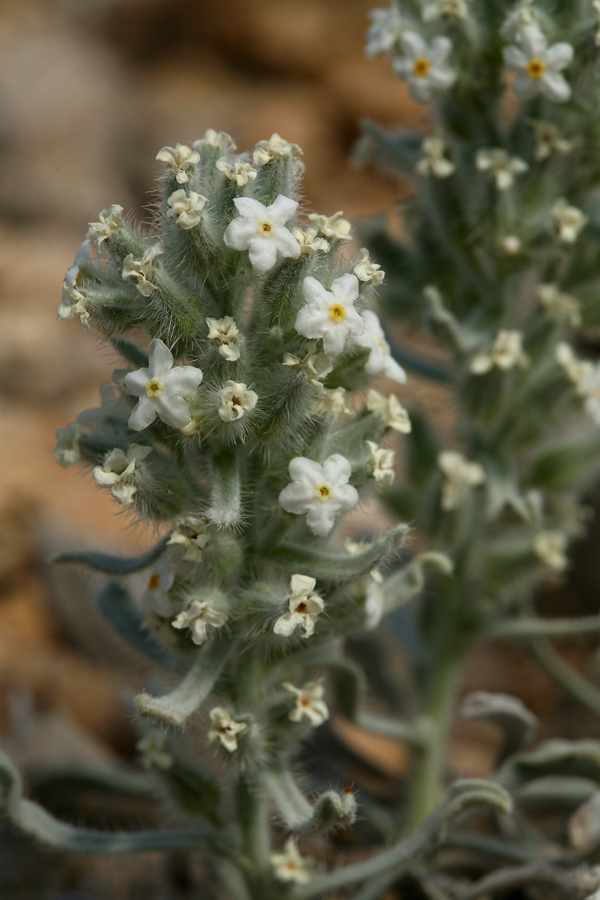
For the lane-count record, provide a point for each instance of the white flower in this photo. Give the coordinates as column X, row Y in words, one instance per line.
column 539, row 66
column 225, row 729
column 563, row 306
column 289, row 865
column 374, row 606
column 380, row 361
column 216, row 139
column 578, row 371
column 568, row 220
column 332, row 400
column 197, row 617
column 154, row 752
column 225, row 332
column 304, row 608
column 192, row 534
column 309, row 241
column 434, row 160
column 315, row 365
column 383, row 462
column 596, row 6
column 460, row 475
column 274, row 148
column 391, row 411
column 73, row 304
column 161, row 389
column 507, row 351
column 110, row 220
column 548, row 139
column 550, row 547
column 424, row 66
column 117, row 472
column 367, row 271
column 309, row 703
column 384, row 34
column 155, row 599
column 236, row 399
column 320, row 491
column 447, row 9
column 511, row 245
column 501, row 166
column 179, row 158
column 521, row 18
column 67, row 451
column 333, row 227
column 140, row 269
column 240, row 172
column 187, row 208
column 261, row 230
column 330, row 314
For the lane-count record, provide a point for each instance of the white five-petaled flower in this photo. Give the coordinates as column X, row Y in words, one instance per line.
column 309, row 241
column 139, row 269
column 391, row 411
column 434, row 161
column 550, row 547
column 446, row 9
column 67, row 451
column 161, row 389
column 304, row 608
column 385, row 31
column 330, row 314
column 319, row 491
column 539, row 66
column 333, row 227
column 236, row 400
column 179, row 158
column 332, row 400
column 117, row 472
column 225, row 332
column 186, row 207
column 73, row 301
column 110, row 220
column 197, row 617
column 578, row 371
column 501, row 166
column 289, row 865
column 380, row 361
column 155, row 599
column 215, row 139
column 460, row 475
column 423, row 66
column 367, row 271
column 309, row 703
column 383, row 462
column 225, row 729
column 563, row 306
column 568, row 220
column 275, row 148
column 316, row 365
column 522, row 17
column 154, row 750
column 192, row 534
column 548, row 139
column 506, row 352
column 261, row 230
column 239, row 171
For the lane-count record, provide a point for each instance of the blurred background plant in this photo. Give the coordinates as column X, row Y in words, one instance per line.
column 140, row 76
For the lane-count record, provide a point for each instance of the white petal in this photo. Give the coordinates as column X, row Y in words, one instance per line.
column 136, row 382
column 393, row 371
column 559, row 56
column 320, row 520
column 413, row 44
column 161, row 359
column 173, row 411
column 346, row 497
column 250, row 208
column 305, row 470
column 346, row 288
column 239, row 233
column 297, row 498
column 554, row 87
column 440, row 50
column 263, row 254
column 183, row 380
column 282, row 210
column 514, row 58
column 143, row 415
column 287, row 243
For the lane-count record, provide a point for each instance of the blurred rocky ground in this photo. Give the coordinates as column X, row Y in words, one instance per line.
column 89, row 92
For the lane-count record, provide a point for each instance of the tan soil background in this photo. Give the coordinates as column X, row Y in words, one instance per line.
column 89, row 92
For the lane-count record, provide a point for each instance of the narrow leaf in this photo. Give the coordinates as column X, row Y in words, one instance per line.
column 114, row 565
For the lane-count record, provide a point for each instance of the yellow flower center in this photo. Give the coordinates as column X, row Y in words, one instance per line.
column 536, row 68
column 154, row 582
column 337, row 312
column 304, row 701
column 421, row 67
column 324, row 491
column 265, row 227
column 154, row 387
column 301, row 608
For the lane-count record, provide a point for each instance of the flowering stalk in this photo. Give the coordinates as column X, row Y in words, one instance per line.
column 501, row 268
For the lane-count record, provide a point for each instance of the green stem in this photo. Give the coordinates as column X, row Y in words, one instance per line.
column 256, row 841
